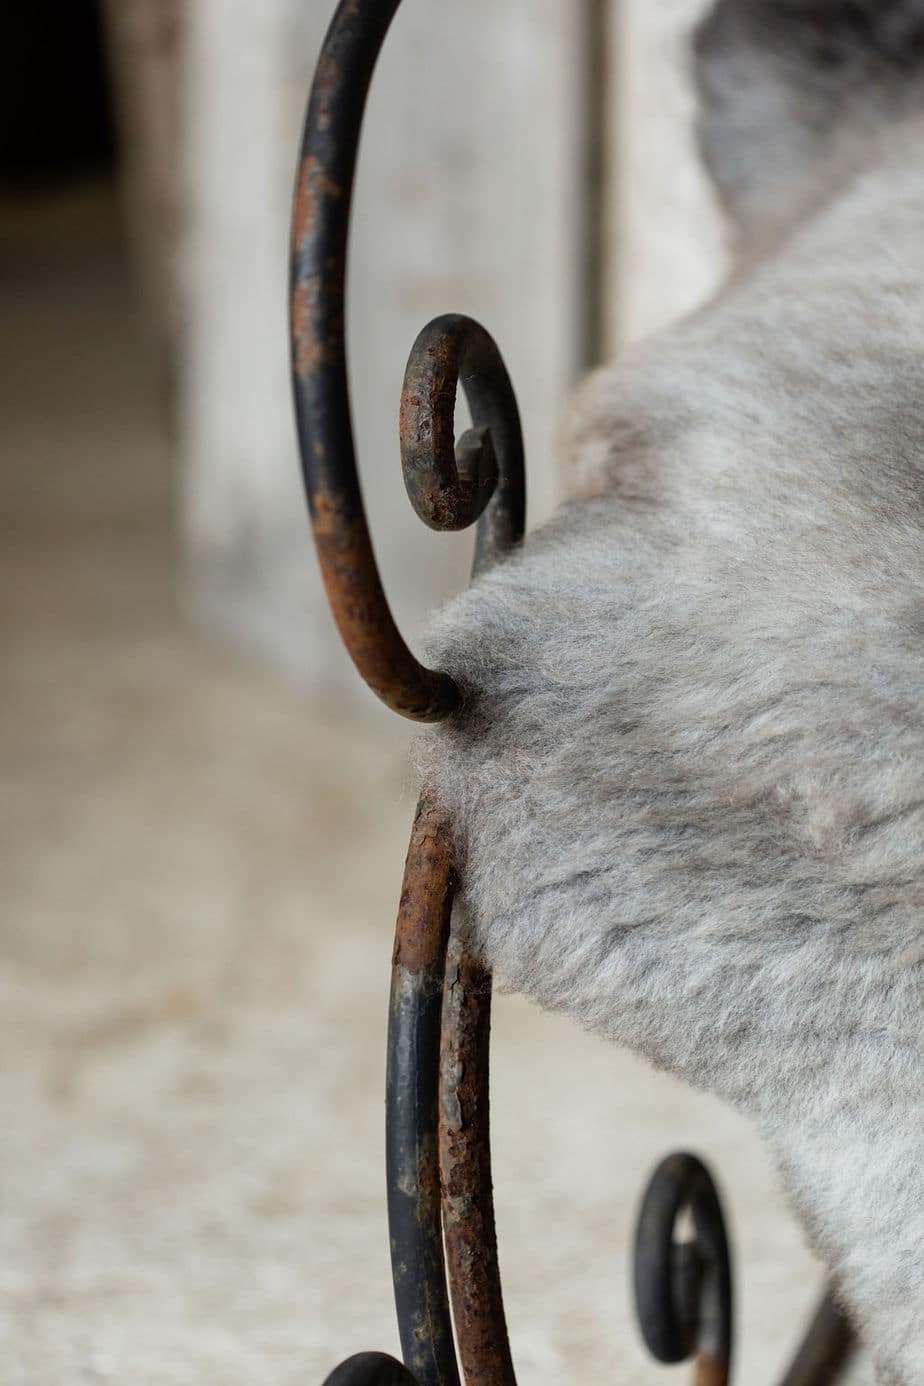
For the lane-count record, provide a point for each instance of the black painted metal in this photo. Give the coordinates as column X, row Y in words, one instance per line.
column 412, row 1164
column 370, row 1369
column 683, row 1289
column 412, row 1103
column 483, row 476
column 319, row 370
column 826, row 1349
column 319, row 250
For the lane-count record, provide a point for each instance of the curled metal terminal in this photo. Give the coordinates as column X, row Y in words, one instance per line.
column 683, row 1284
column 482, row 476
column 465, row 1173
column 370, row 1369
column 683, row 1287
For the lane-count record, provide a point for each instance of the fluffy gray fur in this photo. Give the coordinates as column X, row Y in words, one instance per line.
column 688, row 782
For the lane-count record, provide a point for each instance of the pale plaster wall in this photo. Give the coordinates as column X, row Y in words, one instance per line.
column 146, row 41
column 669, row 243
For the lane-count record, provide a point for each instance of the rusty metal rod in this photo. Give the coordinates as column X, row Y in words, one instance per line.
column 826, row 1349
column 412, row 1158
column 465, row 1174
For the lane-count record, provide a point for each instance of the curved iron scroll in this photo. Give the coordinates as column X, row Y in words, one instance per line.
column 450, row 489
column 438, row 1148
column 683, row 1289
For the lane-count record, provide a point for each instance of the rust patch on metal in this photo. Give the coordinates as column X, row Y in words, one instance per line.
column 710, row 1370
column 312, row 187
column 359, row 607
column 465, row 1170
column 313, row 195
column 328, row 83
column 306, row 347
column 412, row 1085
column 449, row 486
column 426, row 892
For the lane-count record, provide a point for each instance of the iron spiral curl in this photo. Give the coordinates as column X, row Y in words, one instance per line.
column 683, row 1288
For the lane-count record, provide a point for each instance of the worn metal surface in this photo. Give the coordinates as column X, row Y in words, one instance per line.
column 484, row 475
column 412, row 1158
column 465, row 1172
column 683, row 1289
column 370, row 1369
column 826, row 1349
column 447, row 497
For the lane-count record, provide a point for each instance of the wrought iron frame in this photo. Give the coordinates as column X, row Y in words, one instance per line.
column 440, row 1200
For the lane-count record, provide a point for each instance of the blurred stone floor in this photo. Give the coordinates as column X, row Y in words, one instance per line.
column 199, row 869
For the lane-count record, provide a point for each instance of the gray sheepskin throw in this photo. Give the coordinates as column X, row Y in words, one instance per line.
column 687, row 782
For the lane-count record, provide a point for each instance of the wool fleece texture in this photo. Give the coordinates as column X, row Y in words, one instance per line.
column 687, row 783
